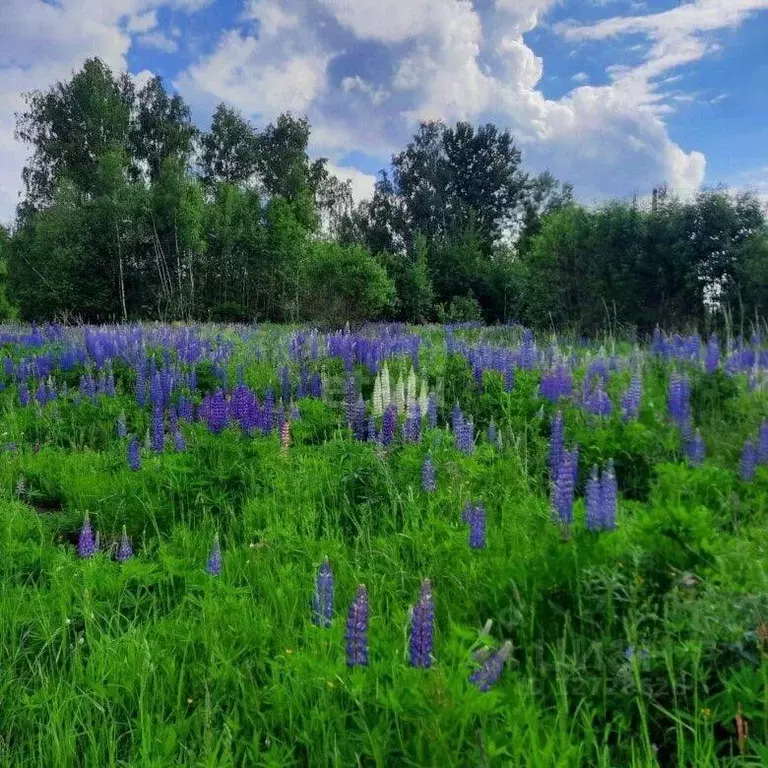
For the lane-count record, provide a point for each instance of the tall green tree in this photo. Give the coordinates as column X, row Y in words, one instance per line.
column 230, row 150
column 70, row 127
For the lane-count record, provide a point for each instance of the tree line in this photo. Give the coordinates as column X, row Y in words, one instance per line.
column 129, row 211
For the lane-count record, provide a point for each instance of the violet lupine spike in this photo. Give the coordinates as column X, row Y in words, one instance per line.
column 86, row 543
column 134, row 454
column 748, row 461
column 432, row 410
column 158, row 429
column 594, row 501
column 357, row 629
column 457, row 419
column 423, row 628
column 630, row 401
column 388, row 424
column 428, row 478
column 564, row 488
column 608, row 499
column 125, row 550
column 213, row 567
column 474, row 516
column 465, row 437
column 412, row 425
column 322, row 600
column 485, row 677
column 556, row 445
column 179, row 443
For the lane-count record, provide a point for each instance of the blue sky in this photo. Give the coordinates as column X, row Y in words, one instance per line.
column 615, row 96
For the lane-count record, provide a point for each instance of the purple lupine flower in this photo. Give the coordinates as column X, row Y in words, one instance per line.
column 762, row 441
column 713, row 354
column 423, row 628
column 388, row 424
column 213, row 567
column 748, row 460
column 412, row 425
column 428, row 479
column 631, row 399
column 556, row 445
column 86, row 544
column 158, row 429
column 564, row 488
column 179, row 443
column 134, row 455
column 122, row 428
column 608, row 498
column 41, row 394
column 457, row 419
column 598, row 402
column 695, row 450
column 322, row 600
column 125, row 550
column 24, row 396
column 679, row 400
column 217, row 412
column 357, row 629
column 358, row 420
column 432, row 410
column 509, row 378
column 474, row 516
column 465, row 437
column 489, row 673
column 594, row 501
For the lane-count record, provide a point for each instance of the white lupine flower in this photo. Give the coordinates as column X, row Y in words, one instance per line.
column 398, row 396
column 377, row 404
column 423, row 397
column 410, row 390
column 386, row 392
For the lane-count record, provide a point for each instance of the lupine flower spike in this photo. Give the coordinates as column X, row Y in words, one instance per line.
column 86, row 544
column 134, row 455
column 422, row 628
column 489, row 673
column 125, row 550
column 428, row 480
column 214, row 561
column 322, row 600
column 474, row 516
column 357, row 630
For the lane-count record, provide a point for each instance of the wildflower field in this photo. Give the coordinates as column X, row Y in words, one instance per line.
column 399, row 546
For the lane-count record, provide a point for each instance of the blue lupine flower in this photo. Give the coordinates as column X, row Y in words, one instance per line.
column 24, row 396
column 432, row 411
column 213, row 567
column 748, row 460
column 474, row 516
column 134, row 455
column 423, row 628
column 217, row 412
column 158, row 430
column 428, row 479
column 388, row 424
column 179, row 443
column 412, row 425
column 556, row 444
column 608, row 498
column 122, row 429
column 125, row 550
column 358, row 420
column 631, row 399
column 594, row 502
column 322, row 600
column 679, row 400
column 86, row 544
column 457, row 419
column 564, row 488
column 357, row 629
column 465, row 437
column 485, row 677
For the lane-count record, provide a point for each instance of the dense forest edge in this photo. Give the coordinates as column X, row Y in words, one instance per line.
column 129, row 212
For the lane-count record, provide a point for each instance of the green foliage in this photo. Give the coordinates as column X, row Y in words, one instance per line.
column 342, row 283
